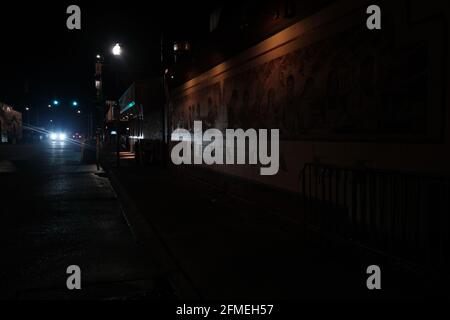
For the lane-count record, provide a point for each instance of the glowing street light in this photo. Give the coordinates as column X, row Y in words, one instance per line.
column 74, row 103
column 79, row 111
column 117, row 50
column 55, row 102
column 27, row 114
column 98, row 56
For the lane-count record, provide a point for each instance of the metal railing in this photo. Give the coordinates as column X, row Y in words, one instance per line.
column 403, row 214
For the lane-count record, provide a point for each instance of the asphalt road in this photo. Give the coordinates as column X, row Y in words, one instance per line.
column 56, row 212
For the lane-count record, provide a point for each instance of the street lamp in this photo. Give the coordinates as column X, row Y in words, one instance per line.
column 79, row 111
column 27, row 114
column 74, row 103
column 117, row 50
column 55, row 102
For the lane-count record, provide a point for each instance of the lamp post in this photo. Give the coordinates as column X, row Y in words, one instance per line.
column 117, row 51
column 163, row 107
column 27, row 115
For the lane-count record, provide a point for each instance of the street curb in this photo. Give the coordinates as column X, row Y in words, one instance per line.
column 148, row 238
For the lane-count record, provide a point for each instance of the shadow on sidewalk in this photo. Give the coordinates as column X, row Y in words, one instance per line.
column 230, row 248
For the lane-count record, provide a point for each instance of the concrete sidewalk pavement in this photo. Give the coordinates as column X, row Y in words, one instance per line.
column 231, row 249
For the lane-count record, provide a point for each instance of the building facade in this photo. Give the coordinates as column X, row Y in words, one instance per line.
column 141, row 112
column 10, row 124
column 339, row 93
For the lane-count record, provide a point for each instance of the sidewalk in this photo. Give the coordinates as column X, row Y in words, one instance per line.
column 57, row 212
column 231, row 249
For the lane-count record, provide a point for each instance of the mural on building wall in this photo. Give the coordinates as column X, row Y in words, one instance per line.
column 350, row 85
column 203, row 105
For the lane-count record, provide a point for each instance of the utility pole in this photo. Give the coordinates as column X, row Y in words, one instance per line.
column 118, row 135
column 163, row 101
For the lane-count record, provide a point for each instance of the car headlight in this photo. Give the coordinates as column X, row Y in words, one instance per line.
column 62, row 136
column 53, row 136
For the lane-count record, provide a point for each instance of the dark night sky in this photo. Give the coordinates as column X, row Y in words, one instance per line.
column 37, row 49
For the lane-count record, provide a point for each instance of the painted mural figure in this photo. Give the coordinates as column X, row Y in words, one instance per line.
column 198, row 116
column 290, row 116
column 231, row 110
column 254, row 117
column 337, row 115
column 305, row 105
column 182, row 120
column 212, row 114
column 267, row 111
column 190, row 119
column 245, row 111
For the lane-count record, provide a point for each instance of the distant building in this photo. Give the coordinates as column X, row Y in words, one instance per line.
column 10, row 124
column 140, row 111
